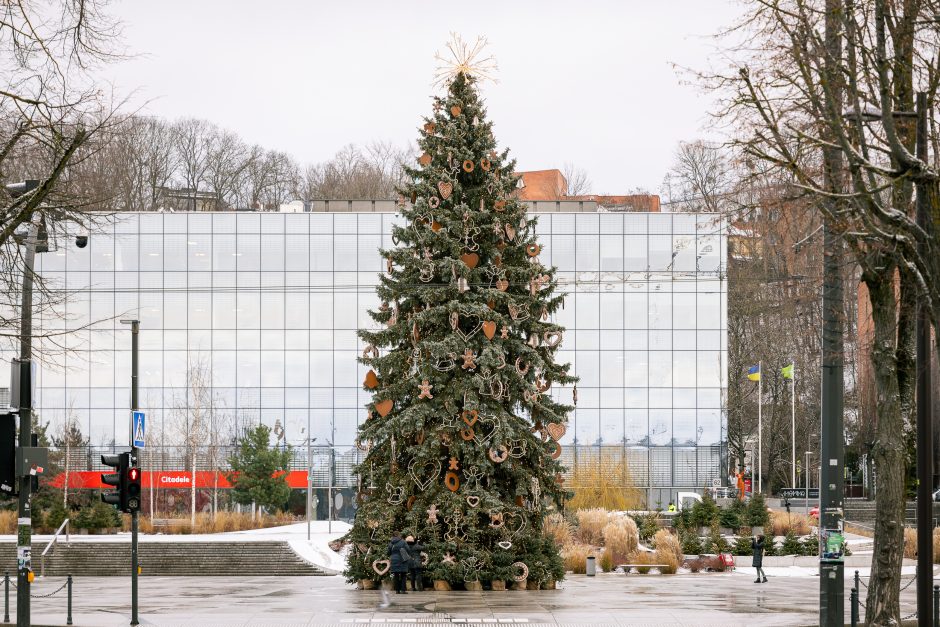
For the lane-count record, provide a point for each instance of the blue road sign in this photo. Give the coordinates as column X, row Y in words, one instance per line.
column 139, row 429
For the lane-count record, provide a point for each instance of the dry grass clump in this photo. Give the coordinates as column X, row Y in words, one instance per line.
column 575, row 557
column 910, row 542
column 222, row 522
column 781, row 522
column 621, row 537
column 604, row 483
column 557, row 528
column 607, row 561
column 641, row 558
column 7, row 522
column 668, row 551
column 591, row 523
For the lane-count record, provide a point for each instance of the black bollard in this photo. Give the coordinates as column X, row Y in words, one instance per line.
column 854, row 607
column 68, row 618
column 936, row 605
column 857, row 584
column 6, row 597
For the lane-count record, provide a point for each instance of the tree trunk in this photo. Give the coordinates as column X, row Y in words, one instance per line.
column 882, row 604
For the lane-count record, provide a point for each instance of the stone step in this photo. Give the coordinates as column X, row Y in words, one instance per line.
column 166, row 558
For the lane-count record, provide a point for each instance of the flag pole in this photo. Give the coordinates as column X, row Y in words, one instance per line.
column 793, row 424
column 760, row 430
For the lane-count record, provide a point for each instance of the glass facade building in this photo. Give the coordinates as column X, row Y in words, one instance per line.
column 266, row 306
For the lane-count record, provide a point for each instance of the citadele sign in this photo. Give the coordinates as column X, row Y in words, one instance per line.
column 168, row 479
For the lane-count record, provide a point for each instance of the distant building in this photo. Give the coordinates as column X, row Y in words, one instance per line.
column 552, row 185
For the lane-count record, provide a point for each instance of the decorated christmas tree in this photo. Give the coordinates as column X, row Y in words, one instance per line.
column 462, row 436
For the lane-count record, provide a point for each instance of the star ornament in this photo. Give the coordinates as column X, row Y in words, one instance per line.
column 464, row 58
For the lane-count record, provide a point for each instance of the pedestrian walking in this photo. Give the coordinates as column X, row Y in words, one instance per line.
column 757, row 546
column 401, row 562
column 415, row 568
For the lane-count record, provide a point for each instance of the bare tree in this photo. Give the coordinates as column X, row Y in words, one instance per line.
column 810, row 71
column 701, row 179
column 193, row 417
column 578, row 182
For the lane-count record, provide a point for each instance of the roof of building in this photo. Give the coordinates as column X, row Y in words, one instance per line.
column 541, row 184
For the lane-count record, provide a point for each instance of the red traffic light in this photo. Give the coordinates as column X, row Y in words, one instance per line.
column 133, row 474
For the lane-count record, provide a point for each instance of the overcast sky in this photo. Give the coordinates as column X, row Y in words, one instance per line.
column 586, row 82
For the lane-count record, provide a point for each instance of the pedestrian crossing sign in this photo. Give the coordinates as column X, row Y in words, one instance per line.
column 138, row 429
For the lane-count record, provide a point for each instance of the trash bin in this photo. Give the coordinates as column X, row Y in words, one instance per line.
column 591, row 568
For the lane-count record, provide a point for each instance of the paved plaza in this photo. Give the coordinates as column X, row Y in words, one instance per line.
column 790, row 598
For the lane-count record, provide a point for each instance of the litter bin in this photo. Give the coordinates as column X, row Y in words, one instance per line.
column 591, row 568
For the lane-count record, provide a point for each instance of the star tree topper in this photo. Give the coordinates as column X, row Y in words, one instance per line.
column 464, row 58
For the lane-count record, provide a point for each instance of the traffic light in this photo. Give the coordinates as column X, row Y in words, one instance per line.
column 133, row 489
column 8, row 483
column 120, row 463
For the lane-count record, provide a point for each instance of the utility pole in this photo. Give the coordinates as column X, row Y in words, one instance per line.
column 924, row 425
column 25, row 365
column 135, row 331
column 831, row 434
column 24, row 368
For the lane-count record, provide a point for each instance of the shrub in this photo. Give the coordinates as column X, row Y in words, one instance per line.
column 742, row 546
column 557, row 528
column 575, row 557
column 591, row 523
column 757, row 515
column 8, row 522
column 606, row 483
column 770, row 547
column 607, row 561
column 732, row 517
column 705, row 512
column 641, row 559
column 810, row 545
column 791, row 545
column 668, row 550
column 691, row 544
column 620, row 537
column 910, row 543
column 782, row 523
column 716, row 541
column 56, row 515
column 648, row 526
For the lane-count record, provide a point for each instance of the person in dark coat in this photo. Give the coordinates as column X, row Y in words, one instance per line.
column 757, row 545
column 414, row 550
column 401, row 562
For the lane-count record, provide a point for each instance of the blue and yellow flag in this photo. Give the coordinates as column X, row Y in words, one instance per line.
column 787, row 371
column 753, row 373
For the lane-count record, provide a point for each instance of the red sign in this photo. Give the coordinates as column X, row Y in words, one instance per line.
column 748, row 485
column 167, row 479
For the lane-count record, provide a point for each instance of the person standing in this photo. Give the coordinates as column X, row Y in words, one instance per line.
column 414, row 550
column 401, row 562
column 757, row 546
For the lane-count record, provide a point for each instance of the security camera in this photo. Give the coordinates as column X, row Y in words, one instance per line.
column 81, row 240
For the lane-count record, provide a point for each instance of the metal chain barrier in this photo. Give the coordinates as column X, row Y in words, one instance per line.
column 44, row 596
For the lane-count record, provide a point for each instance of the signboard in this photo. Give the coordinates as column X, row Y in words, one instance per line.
column 138, row 431
column 799, row 493
column 180, row 479
column 748, row 485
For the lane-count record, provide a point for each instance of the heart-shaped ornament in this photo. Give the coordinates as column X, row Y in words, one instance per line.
column 445, row 188
column 556, row 430
column 372, row 380
column 489, row 329
column 424, row 474
column 425, row 159
column 473, row 501
column 381, row 566
column 510, row 231
column 471, row 259
column 383, row 407
column 552, row 338
column 502, row 285
column 504, row 544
